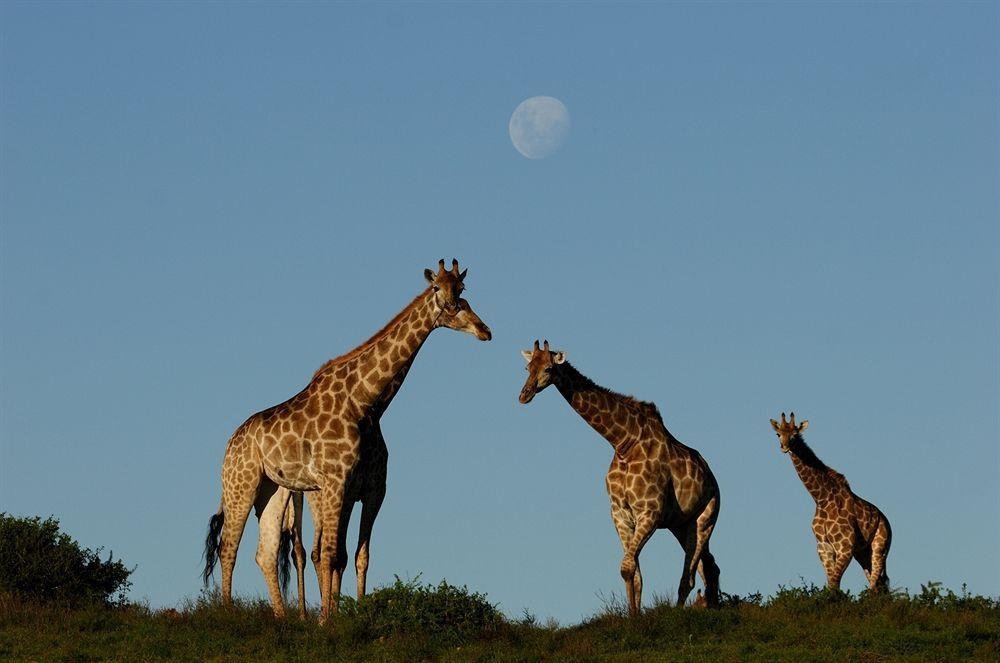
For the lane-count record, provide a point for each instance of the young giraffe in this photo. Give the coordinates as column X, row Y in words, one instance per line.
column 313, row 441
column 845, row 525
column 654, row 481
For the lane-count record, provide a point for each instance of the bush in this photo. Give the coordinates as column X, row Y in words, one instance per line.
column 39, row 562
column 408, row 608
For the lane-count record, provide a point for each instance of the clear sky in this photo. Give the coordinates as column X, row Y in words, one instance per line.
column 759, row 208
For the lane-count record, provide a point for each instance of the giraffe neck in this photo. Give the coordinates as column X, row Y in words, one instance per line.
column 814, row 473
column 383, row 400
column 610, row 414
column 370, row 372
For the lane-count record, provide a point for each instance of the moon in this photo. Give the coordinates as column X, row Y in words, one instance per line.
column 539, row 127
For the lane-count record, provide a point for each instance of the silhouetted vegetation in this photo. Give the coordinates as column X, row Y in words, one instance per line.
column 40, row 563
column 410, row 621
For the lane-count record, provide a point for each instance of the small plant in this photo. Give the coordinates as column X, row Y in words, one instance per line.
column 452, row 613
column 736, row 601
column 39, row 562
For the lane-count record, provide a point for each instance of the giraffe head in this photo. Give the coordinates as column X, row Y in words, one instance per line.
column 786, row 430
column 541, row 363
column 447, row 286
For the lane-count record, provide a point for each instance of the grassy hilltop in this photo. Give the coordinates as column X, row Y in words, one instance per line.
column 60, row 601
column 409, row 621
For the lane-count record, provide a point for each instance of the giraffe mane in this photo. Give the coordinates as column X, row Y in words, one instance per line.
column 376, row 337
column 646, row 408
column 805, row 453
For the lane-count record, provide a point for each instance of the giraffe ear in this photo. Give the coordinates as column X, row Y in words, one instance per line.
column 804, row 425
column 429, row 275
column 558, row 357
column 526, row 354
column 774, row 424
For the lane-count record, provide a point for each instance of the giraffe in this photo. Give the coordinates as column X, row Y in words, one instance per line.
column 367, row 486
column 314, row 440
column 654, row 481
column 845, row 525
column 279, row 532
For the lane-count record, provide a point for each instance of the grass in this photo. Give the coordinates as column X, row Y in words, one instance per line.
column 410, row 621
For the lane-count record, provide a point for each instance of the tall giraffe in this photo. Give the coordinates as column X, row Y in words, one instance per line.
column 313, row 441
column 367, row 486
column 845, row 525
column 654, row 481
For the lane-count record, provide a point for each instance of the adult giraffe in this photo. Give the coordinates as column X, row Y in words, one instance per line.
column 282, row 534
column 313, row 441
column 654, row 481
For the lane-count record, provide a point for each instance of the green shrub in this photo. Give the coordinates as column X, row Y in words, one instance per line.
column 39, row 562
column 410, row 608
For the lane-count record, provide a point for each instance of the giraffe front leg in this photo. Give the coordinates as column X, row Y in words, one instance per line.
column 839, row 547
column 625, row 526
column 339, row 465
column 369, row 512
column 316, row 509
column 645, row 525
column 333, row 499
column 340, row 564
column 340, row 557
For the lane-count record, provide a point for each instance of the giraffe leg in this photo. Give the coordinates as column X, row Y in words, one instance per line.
column 695, row 542
column 645, row 525
column 369, row 512
column 340, row 564
column 709, row 572
column 340, row 557
column 625, row 525
column 689, row 541
column 333, row 499
column 236, row 505
column 272, row 500
column 878, row 578
column 863, row 557
column 333, row 496
column 840, row 552
column 316, row 509
column 704, row 527
column 300, row 552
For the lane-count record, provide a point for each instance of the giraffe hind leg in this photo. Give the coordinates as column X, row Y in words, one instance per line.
column 864, row 558
column 271, row 503
column 236, row 505
column 299, row 550
column 695, row 547
column 709, row 572
column 879, row 579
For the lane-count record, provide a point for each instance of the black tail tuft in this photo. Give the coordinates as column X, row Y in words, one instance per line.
column 284, row 560
column 213, row 542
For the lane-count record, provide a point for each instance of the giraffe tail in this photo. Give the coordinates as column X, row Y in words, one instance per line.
column 285, row 560
column 212, row 543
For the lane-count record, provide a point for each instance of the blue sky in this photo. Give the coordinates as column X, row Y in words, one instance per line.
column 759, row 208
